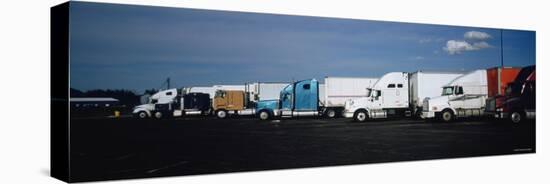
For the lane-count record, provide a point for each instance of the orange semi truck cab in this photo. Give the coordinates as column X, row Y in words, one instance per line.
column 228, row 102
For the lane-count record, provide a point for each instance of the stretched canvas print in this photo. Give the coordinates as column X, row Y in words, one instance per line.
column 143, row 91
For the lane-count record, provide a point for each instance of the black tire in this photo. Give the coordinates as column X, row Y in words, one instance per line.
column 360, row 116
column 264, row 115
column 516, row 117
column 330, row 113
column 221, row 114
column 446, row 116
column 142, row 115
column 158, row 115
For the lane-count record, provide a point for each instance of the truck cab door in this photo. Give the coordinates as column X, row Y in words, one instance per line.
column 220, row 101
column 528, row 95
column 286, row 98
column 377, row 99
column 457, row 99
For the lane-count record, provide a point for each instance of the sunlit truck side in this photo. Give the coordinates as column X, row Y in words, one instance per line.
column 465, row 96
column 471, row 95
column 310, row 98
column 397, row 94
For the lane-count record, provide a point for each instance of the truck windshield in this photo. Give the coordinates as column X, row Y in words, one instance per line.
column 219, row 94
column 513, row 88
column 447, row 91
column 369, row 91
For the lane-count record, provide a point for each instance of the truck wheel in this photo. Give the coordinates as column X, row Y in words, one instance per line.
column 360, row 116
column 331, row 113
column 264, row 115
column 142, row 115
column 221, row 114
column 158, row 115
column 516, row 117
column 446, row 116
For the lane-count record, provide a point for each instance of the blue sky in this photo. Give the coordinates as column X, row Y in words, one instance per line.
column 137, row 47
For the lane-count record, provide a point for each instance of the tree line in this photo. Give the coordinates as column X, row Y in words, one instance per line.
column 125, row 97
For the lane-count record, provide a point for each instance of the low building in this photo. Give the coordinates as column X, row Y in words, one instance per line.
column 93, row 102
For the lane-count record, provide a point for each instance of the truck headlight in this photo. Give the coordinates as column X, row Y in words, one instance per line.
column 434, row 108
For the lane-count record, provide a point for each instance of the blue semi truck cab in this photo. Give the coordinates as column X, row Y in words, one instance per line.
column 297, row 99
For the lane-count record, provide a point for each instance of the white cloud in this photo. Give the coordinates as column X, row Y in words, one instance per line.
column 481, row 45
column 459, row 46
column 476, row 35
column 473, row 40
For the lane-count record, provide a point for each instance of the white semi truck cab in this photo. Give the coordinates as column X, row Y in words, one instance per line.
column 463, row 97
column 388, row 97
column 173, row 103
column 161, row 97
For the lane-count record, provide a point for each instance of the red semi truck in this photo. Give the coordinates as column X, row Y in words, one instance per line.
column 517, row 102
column 498, row 79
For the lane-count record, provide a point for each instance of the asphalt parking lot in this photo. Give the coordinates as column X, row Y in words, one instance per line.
column 121, row 148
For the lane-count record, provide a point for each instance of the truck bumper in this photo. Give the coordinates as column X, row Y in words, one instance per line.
column 502, row 115
column 427, row 114
column 498, row 115
column 347, row 114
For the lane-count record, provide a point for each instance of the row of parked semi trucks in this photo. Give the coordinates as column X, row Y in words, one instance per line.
column 500, row 92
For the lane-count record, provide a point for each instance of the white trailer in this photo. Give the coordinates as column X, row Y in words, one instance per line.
column 211, row 90
column 201, row 89
column 264, row 90
column 334, row 93
column 322, row 92
column 425, row 85
column 463, row 97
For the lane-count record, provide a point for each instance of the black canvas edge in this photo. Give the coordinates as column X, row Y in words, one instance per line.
column 59, row 91
column 60, row 95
